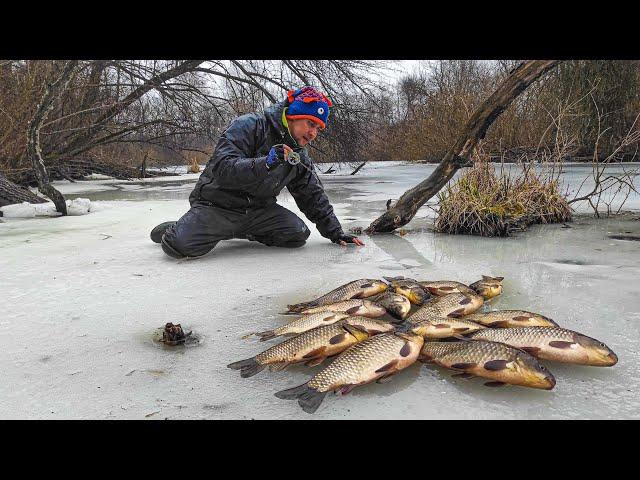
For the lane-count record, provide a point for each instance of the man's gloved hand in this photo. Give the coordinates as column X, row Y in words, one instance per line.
column 277, row 154
column 343, row 239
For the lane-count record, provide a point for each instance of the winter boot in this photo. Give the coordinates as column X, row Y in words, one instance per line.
column 157, row 232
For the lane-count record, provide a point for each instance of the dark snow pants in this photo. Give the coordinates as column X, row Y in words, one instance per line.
column 203, row 226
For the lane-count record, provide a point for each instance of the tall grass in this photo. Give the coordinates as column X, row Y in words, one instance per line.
column 488, row 204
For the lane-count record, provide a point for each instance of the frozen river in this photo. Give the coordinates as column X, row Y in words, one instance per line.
column 82, row 296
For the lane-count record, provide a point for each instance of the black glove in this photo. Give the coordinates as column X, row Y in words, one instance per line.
column 344, row 238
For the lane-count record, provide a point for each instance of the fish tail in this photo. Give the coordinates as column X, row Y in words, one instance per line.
column 248, row 367
column 298, row 307
column 308, row 398
column 267, row 335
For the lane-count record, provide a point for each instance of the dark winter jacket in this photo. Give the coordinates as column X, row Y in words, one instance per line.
column 236, row 177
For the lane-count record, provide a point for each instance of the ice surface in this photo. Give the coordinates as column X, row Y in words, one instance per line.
column 82, row 296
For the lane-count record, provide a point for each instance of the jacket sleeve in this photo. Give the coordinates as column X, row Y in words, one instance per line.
column 233, row 162
column 312, row 200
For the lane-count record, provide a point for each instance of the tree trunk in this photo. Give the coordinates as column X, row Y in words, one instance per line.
column 11, row 193
column 458, row 156
column 358, row 168
column 52, row 92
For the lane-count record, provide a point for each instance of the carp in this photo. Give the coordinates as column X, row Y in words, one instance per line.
column 511, row 319
column 357, row 289
column 375, row 359
column 553, row 343
column 409, row 288
column 452, row 305
column 444, row 327
column 488, row 287
column 397, row 305
column 310, row 347
column 302, row 324
column 446, row 287
column 498, row 362
column 366, row 308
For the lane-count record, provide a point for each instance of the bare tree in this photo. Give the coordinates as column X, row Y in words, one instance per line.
column 51, row 94
column 458, row 156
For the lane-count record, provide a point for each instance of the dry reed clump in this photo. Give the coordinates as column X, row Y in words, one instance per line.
column 486, row 204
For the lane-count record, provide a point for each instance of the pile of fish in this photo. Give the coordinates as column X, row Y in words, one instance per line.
column 445, row 328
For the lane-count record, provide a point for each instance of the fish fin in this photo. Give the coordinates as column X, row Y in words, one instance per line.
column 460, row 337
column 486, row 278
column 495, row 365
column 531, row 350
column 298, row 307
column 329, row 318
column 315, row 361
column 318, row 352
column 366, row 285
column 462, row 375
column 494, row 384
column 308, row 398
column 288, row 313
column 352, row 310
column 244, row 337
column 388, row 366
column 520, row 318
column 268, row 335
column 393, row 279
column 460, row 329
column 501, row 324
column 385, row 379
column 248, row 367
column 359, row 328
column 441, row 325
column 337, row 339
column 292, row 393
column 498, row 279
column 457, row 313
column 347, row 388
column 560, row 344
column 357, row 295
column 463, row 365
column 464, row 301
column 405, row 350
column 277, row 367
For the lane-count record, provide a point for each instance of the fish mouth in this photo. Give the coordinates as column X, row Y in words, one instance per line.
column 550, row 382
column 613, row 358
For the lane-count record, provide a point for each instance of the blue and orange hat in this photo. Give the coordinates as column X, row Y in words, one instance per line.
column 309, row 103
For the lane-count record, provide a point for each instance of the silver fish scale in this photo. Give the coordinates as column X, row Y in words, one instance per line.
column 532, row 335
column 473, row 351
column 359, row 362
column 307, row 322
column 305, row 342
column 438, row 307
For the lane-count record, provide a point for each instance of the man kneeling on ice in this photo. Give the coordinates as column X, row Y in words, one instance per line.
column 256, row 157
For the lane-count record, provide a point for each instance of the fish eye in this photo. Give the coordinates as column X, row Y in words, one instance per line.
column 602, row 345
